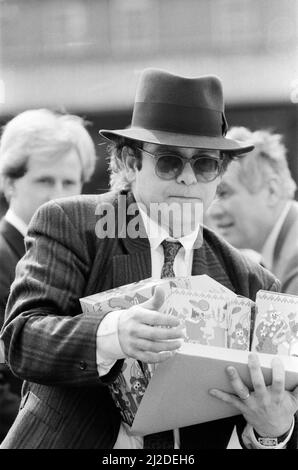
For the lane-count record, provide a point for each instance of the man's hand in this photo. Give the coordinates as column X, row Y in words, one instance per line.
column 140, row 333
column 269, row 409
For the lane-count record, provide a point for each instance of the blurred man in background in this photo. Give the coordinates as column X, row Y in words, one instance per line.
column 43, row 155
column 255, row 210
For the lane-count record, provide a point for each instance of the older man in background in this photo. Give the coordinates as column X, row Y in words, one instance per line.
column 255, row 209
column 44, row 155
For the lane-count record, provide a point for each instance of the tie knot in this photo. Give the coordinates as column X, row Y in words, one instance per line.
column 171, row 248
column 170, row 251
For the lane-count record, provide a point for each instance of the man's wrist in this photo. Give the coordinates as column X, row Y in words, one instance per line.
column 252, row 440
column 272, row 441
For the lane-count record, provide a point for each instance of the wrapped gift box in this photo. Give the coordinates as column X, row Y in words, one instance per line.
column 177, row 394
column 129, row 387
column 276, row 326
column 138, row 292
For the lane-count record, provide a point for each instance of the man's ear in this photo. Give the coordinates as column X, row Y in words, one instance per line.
column 274, row 191
column 129, row 160
column 8, row 185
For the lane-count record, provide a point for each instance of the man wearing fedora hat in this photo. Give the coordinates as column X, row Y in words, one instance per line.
column 172, row 156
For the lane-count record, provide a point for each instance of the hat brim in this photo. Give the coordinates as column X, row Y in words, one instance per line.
column 178, row 140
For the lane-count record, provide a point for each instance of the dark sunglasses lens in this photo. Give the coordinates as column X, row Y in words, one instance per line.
column 206, row 168
column 169, row 166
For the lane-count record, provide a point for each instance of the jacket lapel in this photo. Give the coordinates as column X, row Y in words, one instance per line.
column 207, row 261
column 123, row 258
column 13, row 237
column 135, row 263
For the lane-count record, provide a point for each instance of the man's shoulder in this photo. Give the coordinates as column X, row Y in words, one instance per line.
column 286, row 247
column 246, row 275
column 84, row 201
column 222, row 247
column 79, row 209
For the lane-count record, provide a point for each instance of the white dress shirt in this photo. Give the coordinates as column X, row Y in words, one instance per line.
column 269, row 246
column 108, row 346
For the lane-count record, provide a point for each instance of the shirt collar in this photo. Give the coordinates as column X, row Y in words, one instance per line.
column 157, row 234
column 268, row 249
column 16, row 222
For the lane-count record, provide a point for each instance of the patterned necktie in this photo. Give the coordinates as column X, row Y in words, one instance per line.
column 165, row 439
column 170, row 251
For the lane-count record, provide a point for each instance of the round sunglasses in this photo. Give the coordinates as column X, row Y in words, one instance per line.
column 169, row 166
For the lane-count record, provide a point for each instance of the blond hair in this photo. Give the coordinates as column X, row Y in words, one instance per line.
column 46, row 134
column 268, row 157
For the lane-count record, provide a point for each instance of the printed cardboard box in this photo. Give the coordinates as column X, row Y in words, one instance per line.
column 276, row 326
column 177, row 394
column 130, row 386
column 137, row 292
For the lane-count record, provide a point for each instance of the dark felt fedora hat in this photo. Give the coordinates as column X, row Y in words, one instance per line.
column 179, row 111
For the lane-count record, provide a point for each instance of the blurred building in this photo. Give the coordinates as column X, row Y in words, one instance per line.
column 85, row 56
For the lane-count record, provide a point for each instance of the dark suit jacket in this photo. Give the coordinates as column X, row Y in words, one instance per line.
column 52, row 345
column 12, row 248
column 285, row 257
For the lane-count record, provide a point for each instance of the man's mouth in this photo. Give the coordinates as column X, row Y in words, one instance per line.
column 224, row 226
column 185, row 198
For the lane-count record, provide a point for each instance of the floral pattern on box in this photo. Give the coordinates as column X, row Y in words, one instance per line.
column 239, row 316
column 276, row 326
column 204, row 315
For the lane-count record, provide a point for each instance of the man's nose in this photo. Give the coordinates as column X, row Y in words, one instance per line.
column 187, row 176
column 57, row 190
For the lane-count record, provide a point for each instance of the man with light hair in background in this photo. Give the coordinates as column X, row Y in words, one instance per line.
column 254, row 208
column 44, row 155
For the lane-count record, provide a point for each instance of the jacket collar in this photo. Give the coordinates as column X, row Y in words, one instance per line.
column 290, row 220
column 13, row 237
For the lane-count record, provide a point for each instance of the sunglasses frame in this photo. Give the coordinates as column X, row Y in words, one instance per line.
column 185, row 160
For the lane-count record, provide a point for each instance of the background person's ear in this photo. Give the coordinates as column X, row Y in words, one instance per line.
column 274, row 191
column 8, row 186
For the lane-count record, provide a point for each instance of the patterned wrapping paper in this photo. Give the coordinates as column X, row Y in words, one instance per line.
column 276, row 325
column 129, row 387
column 138, row 292
column 204, row 315
column 211, row 318
column 239, row 323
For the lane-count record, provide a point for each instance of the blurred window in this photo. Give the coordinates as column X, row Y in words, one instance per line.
column 134, row 26
column 35, row 30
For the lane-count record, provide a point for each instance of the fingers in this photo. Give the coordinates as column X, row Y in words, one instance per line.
column 152, row 358
column 156, row 301
column 158, row 334
column 239, row 387
column 256, row 375
column 228, row 398
column 142, row 333
column 278, row 379
column 153, row 318
column 157, row 346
